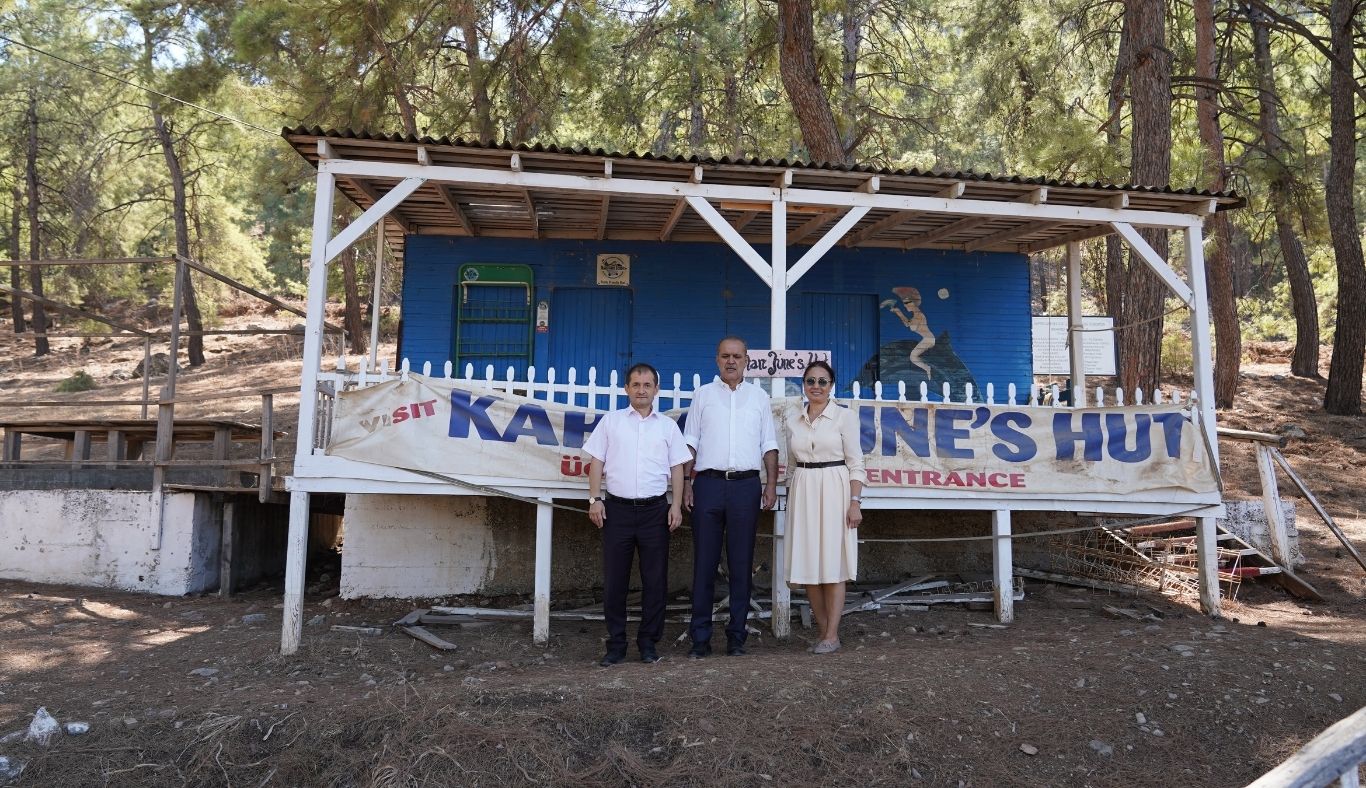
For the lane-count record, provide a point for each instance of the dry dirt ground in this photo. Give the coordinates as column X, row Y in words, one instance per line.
column 185, row 691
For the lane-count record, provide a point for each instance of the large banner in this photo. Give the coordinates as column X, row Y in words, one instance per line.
column 449, row 427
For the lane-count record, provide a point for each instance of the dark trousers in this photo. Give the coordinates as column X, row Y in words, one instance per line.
column 723, row 511
column 627, row 530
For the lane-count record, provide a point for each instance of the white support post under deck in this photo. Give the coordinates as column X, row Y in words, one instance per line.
column 1202, row 359
column 292, row 626
column 540, row 623
column 1076, row 335
column 379, row 289
column 777, row 338
column 1002, row 566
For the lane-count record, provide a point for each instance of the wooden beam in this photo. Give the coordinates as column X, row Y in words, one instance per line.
column 672, row 222
column 396, row 216
column 227, row 280
column 71, row 310
column 1007, row 234
column 381, row 208
column 602, row 216
column 1155, row 262
column 1084, row 234
column 733, row 239
column 870, row 186
column 531, row 212
column 808, row 227
column 952, row 192
column 947, row 231
column 453, row 205
column 679, row 206
column 744, row 219
column 879, row 226
column 1115, row 202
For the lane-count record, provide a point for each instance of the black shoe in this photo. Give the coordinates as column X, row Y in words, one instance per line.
column 612, row 658
column 699, row 651
column 648, row 655
column 736, row 648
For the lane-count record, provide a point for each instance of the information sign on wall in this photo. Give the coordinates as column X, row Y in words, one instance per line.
column 782, row 363
column 614, row 270
column 1051, row 348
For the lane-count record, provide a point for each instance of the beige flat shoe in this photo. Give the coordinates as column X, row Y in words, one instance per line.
column 826, row 647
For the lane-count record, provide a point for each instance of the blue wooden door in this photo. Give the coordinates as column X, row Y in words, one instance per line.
column 590, row 327
column 846, row 325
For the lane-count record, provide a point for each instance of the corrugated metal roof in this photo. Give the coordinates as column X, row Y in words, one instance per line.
column 958, row 175
column 510, row 211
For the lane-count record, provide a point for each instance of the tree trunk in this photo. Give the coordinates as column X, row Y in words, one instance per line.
column 35, row 247
column 16, row 216
column 801, row 80
column 1343, row 395
column 1219, row 261
column 179, row 211
column 1305, row 362
column 851, row 40
column 1140, row 341
column 355, row 327
column 697, row 118
column 1114, row 127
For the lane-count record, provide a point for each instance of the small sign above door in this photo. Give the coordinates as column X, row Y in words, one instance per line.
column 782, row 363
column 614, row 270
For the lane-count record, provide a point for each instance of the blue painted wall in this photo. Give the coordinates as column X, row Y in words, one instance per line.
column 686, row 296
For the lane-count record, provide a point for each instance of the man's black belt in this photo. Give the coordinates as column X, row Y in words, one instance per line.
column 651, row 501
column 728, row 475
column 830, row 464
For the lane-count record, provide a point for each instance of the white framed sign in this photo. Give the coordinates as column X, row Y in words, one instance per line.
column 1051, row 350
column 782, row 363
column 614, row 270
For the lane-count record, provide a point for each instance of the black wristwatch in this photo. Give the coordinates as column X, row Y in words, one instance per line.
column 592, row 499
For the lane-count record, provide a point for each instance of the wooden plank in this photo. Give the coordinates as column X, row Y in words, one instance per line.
column 879, row 226
column 453, row 206
column 1326, row 758
column 412, row 618
column 1206, row 530
column 916, row 584
column 249, row 290
column 367, row 631
column 424, row 635
column 266, row 482
column 13, row 443
column 1271, row 502
column 227, row 548
column 1248, row 435
column 116, row 446
column 1083, row 582
column 80, row 446
column 947, row 231
column 222, row 442
column 1318, row 507
column 602, row 216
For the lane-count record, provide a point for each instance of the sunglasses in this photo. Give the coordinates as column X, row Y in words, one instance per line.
column 822, row 382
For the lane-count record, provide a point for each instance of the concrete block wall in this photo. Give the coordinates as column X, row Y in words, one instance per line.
column 108, row 538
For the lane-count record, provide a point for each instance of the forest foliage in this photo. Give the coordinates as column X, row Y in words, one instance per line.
column 999, row 86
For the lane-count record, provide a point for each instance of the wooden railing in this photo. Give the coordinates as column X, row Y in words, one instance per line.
column 1333, row 757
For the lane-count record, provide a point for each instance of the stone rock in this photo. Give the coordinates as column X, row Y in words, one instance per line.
column 1292, row 431
column 1140, row 718
column 76, row 728
column 1102, row 749
column 205, row 672
column 160, row 364
column 254, row 618
column 317, row 621
column 10, row 770
column 41, row 729
column 130, row 721
column 1029, row 749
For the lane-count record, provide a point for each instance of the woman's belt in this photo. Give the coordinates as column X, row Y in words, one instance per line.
column 830, row 464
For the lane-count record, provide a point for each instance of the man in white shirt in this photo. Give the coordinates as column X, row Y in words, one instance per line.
column 641, row 455
column 730, row 432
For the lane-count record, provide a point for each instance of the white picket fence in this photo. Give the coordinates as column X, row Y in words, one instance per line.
column 593, row 393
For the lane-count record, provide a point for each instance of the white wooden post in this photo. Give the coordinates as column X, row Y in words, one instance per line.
column 782, row 593
column 1202, row 357
column 379, row 282
column 292, row 626
column 1076, row 337
column 1207, row 559
column 777, row 337
column 540, row 627
column 1271, row 501
column 1002, row 569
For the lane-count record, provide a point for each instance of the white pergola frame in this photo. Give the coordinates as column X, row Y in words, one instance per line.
column 318, row 473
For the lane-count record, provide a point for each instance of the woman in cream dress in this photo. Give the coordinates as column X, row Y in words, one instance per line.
column 825, row 477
